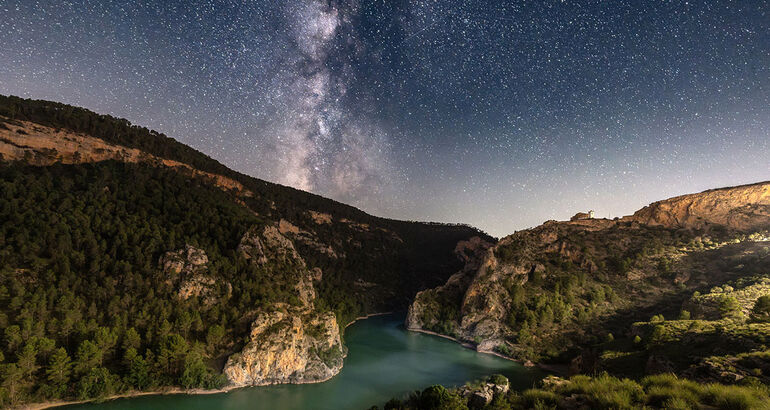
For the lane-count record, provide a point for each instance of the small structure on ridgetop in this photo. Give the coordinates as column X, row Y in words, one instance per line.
column 582, row 215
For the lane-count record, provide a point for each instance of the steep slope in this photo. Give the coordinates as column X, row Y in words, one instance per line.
column 744, row 208
column 550, row 292
column 43, row 132
column 129, row 261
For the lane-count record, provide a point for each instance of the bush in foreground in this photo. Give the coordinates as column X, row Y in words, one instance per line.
column 665, row 391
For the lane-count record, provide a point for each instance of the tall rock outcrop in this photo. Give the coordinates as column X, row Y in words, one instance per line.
column 287, row 344
column 186, row 270
column 425, row 313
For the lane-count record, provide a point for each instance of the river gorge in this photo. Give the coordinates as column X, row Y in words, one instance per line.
column 384, row 361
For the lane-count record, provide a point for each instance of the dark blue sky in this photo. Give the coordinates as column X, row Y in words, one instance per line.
column 498, row 114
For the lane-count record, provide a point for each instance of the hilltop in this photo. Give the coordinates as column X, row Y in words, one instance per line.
column 557, row 292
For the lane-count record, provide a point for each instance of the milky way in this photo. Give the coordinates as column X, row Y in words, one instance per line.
column 498, row 114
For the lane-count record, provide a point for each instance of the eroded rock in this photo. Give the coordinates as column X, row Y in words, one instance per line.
column 187, row 271
column 288, row 346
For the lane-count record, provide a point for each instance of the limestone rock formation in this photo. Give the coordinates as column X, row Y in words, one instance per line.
column 745, row 207
column 320, row 217
column 186, row 270
column 420, row 313
column 308, row 238
column 251, row 248
column 259, row 244
column 288, row 346
column 479, row 396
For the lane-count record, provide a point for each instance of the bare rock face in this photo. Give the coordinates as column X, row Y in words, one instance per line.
column 251, row 246
column 186, row 270
column 320, row 217
column 481, row 395
column 308, row 238
column 259, row 245
column 287, row 344
column 744, row 207
column 288, row 347
column 187, row 259
column 472, row 252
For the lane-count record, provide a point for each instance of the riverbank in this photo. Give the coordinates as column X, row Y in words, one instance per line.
column 384, row 361
column 173, row 390
column 367, row 317
column 557, row 369
column 162, row 392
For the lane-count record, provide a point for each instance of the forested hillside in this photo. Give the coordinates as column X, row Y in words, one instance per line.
column 679, row 288
column 124, row 275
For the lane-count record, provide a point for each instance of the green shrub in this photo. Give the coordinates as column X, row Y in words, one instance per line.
column 761, row 309
column 735, row 397
column 532, row 397
column 498, row 379
column 729, row 306
column 659, row 396
column 438, row 397
column 678, row 403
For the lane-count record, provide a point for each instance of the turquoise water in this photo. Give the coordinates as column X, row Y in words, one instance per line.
column 384, row 361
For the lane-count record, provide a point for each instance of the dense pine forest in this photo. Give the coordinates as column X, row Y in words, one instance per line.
column 87, row 310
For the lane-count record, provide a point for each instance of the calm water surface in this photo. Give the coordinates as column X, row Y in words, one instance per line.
column 384, row 361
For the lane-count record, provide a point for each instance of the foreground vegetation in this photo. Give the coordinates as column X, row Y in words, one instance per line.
column 664, row 391
column 720, row 335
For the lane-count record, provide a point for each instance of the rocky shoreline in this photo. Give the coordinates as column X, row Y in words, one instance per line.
column 367, row 317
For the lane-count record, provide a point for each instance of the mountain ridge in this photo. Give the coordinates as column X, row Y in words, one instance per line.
column 585, row 265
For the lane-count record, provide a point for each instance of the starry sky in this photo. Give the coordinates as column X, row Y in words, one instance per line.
column 500, row 114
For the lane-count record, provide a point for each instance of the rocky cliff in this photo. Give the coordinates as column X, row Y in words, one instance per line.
column 286, row 344
column 744, row 207
column 428, row 309
column 186, row 270
column 542, row 291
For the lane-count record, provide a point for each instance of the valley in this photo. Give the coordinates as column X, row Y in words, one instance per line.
column 131, row 263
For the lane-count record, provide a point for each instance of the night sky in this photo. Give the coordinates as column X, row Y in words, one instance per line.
column 497, row 114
